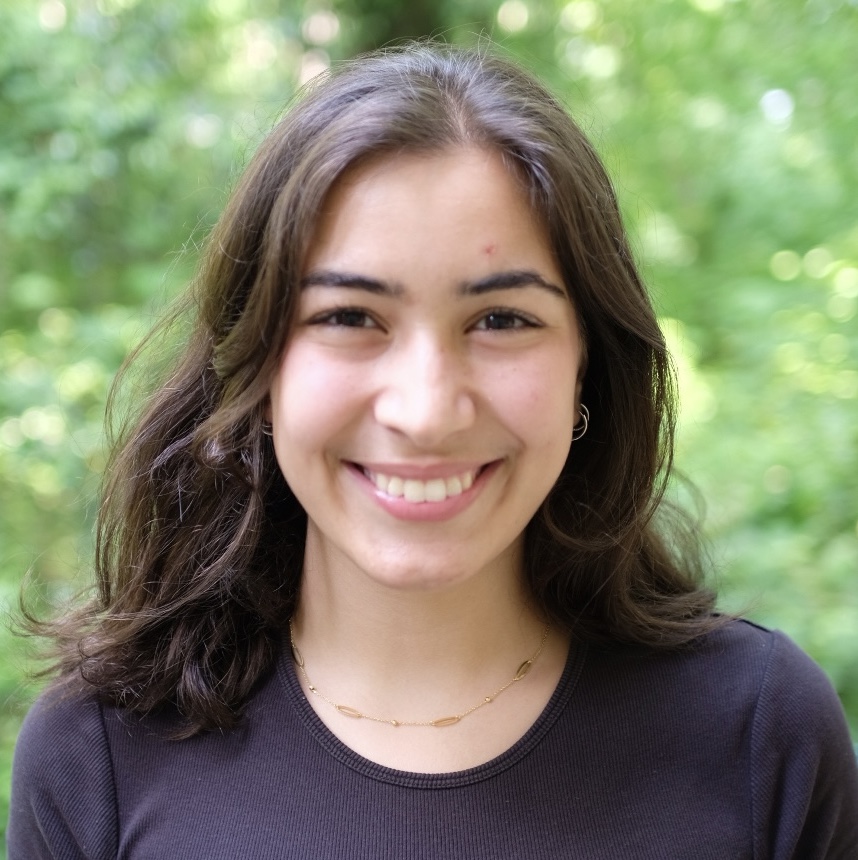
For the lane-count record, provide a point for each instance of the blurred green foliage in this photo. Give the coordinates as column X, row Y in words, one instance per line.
column 730, row 128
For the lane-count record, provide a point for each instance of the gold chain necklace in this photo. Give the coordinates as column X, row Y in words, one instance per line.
column 440, row 722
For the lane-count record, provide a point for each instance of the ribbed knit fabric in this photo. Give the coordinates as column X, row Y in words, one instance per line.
column 734, row 748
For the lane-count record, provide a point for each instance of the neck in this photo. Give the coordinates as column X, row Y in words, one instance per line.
column 397, row 649
column 418, row 650
column 436, row 722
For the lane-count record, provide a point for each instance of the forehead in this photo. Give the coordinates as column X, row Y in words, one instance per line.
column 458, row 200
column 415, row 166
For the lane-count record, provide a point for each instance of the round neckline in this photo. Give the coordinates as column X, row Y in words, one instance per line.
column 345, row 755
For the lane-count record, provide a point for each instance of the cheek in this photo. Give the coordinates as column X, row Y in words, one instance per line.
column 537, row 402
column 312, row 398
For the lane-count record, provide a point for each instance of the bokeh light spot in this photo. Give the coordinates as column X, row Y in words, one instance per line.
column 203, row 130
column 258, row 45
column 841, row 308
column 84, row 378
column 321, row 28
column 10, row 433
column 777, row 106
column 313, row 63
column 228, row 9
column 707, row 112
column 43, row 424
column 580, row 15
column 846, row 282
column 710, row 7
column 56, row 324
column 52, row 16
column 43, row 479
column 790, row 357
column 513, row 16
column 601, row 61
column 817, row 262
column 785, row 265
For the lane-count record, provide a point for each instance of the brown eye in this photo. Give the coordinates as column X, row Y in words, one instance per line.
column 345, row 318
column 352, row 319
column 503, row 320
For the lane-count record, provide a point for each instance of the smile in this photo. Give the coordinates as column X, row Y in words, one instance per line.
column 416, row 491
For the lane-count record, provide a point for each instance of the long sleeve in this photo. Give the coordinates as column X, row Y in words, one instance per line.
column 804, row 775
column 63, row 798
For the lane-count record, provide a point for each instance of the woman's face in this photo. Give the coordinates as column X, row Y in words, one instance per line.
column 425, row 401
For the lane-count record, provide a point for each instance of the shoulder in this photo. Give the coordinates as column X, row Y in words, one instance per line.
column 63, row 798
column 61, row 731
column 728, row 667
column 794, row 690
column 803, row 778
column 59, row 710
column 789, row 699
column 786, row 687
column 744, row 658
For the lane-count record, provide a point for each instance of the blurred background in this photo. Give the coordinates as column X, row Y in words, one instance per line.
column 730, row 127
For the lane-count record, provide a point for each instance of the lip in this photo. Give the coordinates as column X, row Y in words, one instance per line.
column 402, row 509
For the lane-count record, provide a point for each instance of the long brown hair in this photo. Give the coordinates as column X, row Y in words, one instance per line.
column 200, row 541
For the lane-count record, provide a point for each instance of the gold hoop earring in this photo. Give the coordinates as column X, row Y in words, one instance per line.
column 581, row 427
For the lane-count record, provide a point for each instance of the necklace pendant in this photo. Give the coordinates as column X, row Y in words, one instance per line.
column 523, row 669
column 296, row 656
column 444, row 721
column 349, row 712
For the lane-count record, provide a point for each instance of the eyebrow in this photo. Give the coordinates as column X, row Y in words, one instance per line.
column 510, row 280
column 326, row 278
column 513, row 279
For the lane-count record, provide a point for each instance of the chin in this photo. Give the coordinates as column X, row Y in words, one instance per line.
column 418, row 576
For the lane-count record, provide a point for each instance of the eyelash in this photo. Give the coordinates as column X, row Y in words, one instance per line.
column 335, row 317
column 520, row 320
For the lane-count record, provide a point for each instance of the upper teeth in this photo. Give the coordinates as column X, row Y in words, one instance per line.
column 414, row 490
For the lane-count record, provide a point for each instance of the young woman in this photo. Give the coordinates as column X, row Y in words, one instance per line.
column 383, row 567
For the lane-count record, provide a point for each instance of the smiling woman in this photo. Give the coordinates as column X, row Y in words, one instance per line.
column 383, row 564
column 432, row 354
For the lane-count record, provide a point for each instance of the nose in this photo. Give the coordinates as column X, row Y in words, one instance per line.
column 424, row 392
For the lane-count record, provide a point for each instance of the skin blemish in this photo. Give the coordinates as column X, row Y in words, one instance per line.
column 489, row 249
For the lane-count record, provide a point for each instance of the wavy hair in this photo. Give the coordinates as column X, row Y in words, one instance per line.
column 199, row 539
